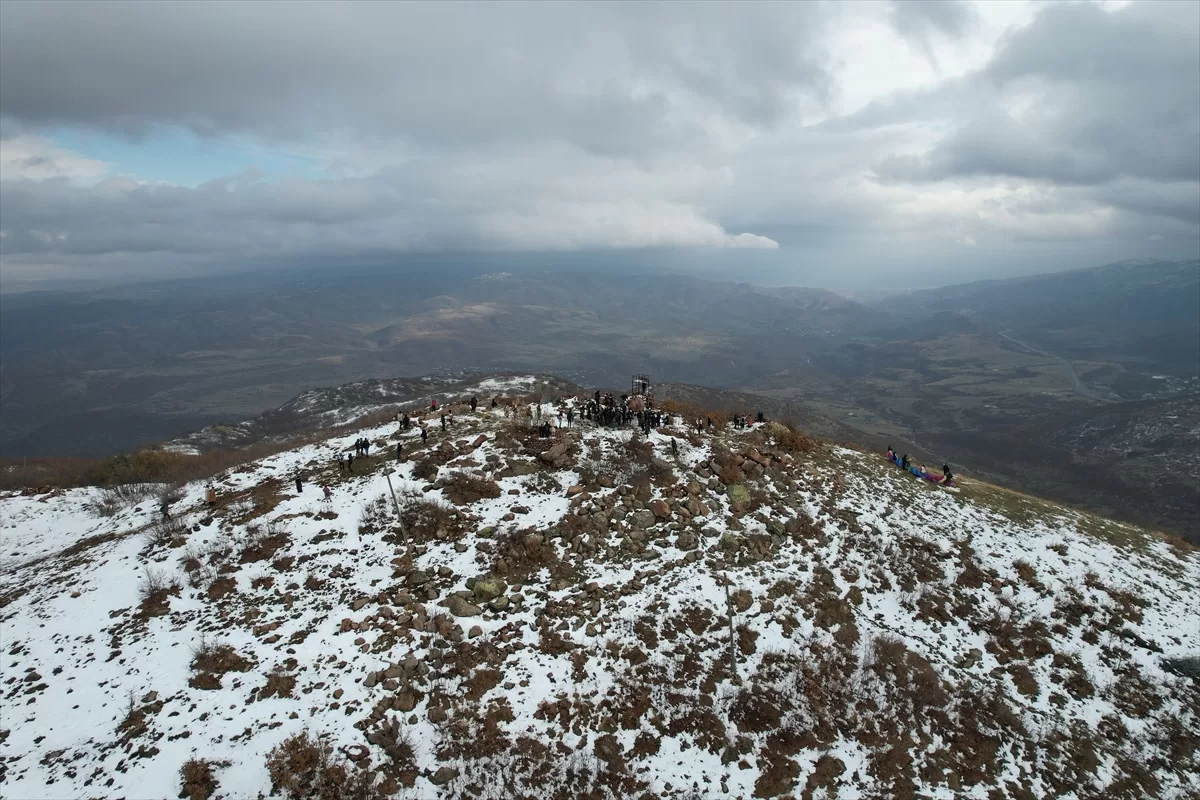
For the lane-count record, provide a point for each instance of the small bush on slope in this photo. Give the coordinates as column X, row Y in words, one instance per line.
column 304, row 768
column 463, row 488
column 198, row 780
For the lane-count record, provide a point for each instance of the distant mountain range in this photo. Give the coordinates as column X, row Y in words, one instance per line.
column 1002, row 376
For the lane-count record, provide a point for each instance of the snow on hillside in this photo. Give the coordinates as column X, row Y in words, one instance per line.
column 331, row 407
column 551, row 620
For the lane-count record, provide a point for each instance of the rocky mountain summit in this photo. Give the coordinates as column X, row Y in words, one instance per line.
column 597, row 614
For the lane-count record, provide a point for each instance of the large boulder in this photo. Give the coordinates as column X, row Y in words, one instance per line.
column 642, row 519
column 739, row 496
column 556, row 455
column 660, row 509
column 443, row 776
column 460, row 607
column 486, row 589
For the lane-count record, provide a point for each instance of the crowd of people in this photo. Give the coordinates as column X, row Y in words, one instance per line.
column 903, row 462
column 601, row 409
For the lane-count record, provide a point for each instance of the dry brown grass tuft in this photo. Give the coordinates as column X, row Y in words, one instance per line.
column 302, row 767
column 463, row 488
column 218, row 658
column 197, row 778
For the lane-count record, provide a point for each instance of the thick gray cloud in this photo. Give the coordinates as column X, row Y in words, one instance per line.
column 1081, row 96
column 563, row 127
column 608, row 77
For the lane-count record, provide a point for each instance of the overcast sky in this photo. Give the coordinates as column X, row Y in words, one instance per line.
column 841, row 144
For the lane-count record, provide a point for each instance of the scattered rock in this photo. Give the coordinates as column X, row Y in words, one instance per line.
column 486, row 589
column 443, row 776
column 460, row 607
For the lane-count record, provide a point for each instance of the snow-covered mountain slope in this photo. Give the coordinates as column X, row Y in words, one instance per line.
column 331, row 407
column 550, row 619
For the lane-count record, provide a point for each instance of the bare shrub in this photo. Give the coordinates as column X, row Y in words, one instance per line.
column 241, row 507
column 428, row 518
column 166, row 531
column 373, row 514
column 791, row 440
column 303, row 767
column 521, row 554
column 218, row 658
column 279, row 684
column 153, row 592
column 197, row 778
column 262, row 543
column 462, row 488
column 113, row 499
column 154, row 582
column 425, row 469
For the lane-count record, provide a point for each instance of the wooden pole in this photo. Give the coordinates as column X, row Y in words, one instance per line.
column 395, row 504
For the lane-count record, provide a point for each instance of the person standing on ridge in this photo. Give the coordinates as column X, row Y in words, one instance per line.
column 424, row 434
column 299, row 485
column 474, row 403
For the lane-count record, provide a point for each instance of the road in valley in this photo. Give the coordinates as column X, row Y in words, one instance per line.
column 1082, row 390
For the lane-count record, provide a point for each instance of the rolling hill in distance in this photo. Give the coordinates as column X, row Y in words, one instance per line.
column 1081, row 386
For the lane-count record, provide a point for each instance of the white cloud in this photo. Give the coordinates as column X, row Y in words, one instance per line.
column 27, row 157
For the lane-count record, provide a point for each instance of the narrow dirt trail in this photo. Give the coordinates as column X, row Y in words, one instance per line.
column 1080, row 389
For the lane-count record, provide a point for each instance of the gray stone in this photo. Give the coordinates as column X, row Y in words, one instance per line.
column 443, row 776
column 642, row 519
column 461, row 608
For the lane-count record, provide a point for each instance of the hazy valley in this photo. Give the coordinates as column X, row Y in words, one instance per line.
column 1082, row 386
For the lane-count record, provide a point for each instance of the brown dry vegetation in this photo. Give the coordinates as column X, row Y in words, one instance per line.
column 302, row 767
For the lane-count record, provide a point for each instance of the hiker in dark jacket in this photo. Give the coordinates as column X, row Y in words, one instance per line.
column 474, row 403
column 299, row 485
column 424, row 434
